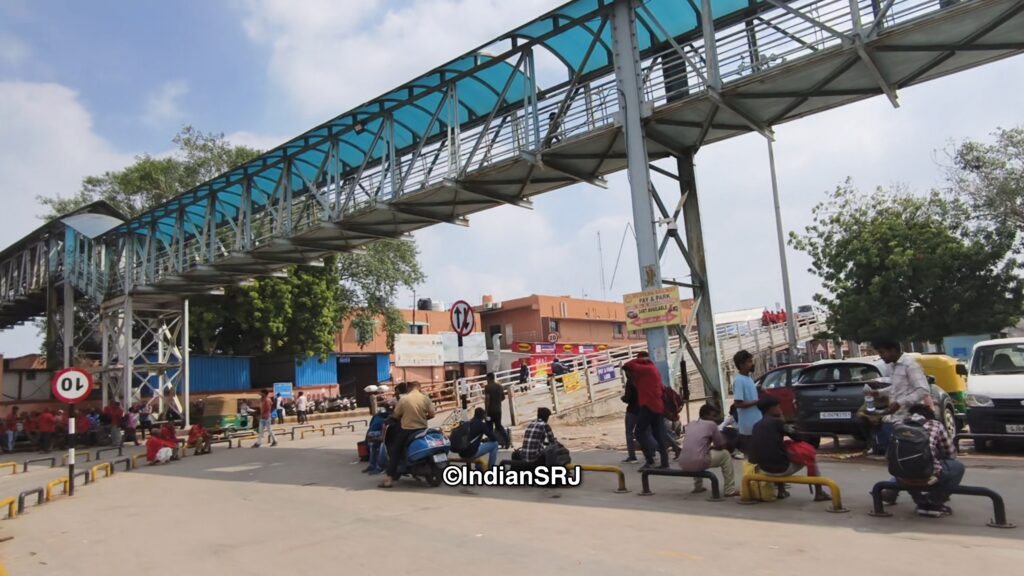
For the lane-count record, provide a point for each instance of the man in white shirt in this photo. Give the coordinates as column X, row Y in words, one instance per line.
column 908, row 386
column 300, row 407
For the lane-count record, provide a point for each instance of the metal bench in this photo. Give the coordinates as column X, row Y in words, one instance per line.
column 101, row 451
column 62, row 482
column 51, row 459
column 21, row 498
column 611, row 469
column 968, row 436
column 837, row 498
column 998, row 507
column 716, row 492
column 336, row 427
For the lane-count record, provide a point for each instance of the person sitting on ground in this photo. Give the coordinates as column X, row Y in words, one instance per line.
column 704, row 447
column 944, row 472
column 199, row 438
column 479, row 428
column 537, row 436
column 777, row 455
column 158, row 442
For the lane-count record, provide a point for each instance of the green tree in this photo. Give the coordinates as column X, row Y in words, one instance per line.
column 990, row 177
column 297, row 314
column 910, row 267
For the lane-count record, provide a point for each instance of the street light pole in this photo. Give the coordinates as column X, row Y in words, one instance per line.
column 790, row 317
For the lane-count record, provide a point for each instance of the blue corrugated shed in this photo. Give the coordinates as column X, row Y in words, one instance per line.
column 220, row 373
column 312, row 372
column 383, row 367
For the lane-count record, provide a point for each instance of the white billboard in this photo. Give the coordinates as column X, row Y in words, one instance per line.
column 419, row 350
column 474, row 347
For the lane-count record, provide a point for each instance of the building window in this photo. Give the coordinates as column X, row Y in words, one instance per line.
column 552, row 326
column 618, row 331
column 636, row 334
column 416, row 329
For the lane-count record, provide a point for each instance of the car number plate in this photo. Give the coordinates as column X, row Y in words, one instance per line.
column 835, row 415
column 1015, row 428
column 440, row 458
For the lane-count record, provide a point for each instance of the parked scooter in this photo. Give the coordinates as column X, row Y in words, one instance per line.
column 426, row 456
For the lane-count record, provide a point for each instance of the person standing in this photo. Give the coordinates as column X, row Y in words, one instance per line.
column 494, row 395
column 132, row 424
column 114, row 412
column 146, row 419
column 629, row 396
column 266, row 415
column 11, row 428
column 908, row 386
column 650, row 420
column 524, row 371
column 279, row 408
column 47, row 426
column 745, row 398
column 301, row 403
column 414, row 411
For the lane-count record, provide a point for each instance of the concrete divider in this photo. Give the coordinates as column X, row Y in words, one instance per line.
column 837, row 497
column 62, row 482
column 105, row 467
column 322, row 432
column 11, row 505
column 12, row 465
column 51, row 459
column 21, row 498
column 611, row 469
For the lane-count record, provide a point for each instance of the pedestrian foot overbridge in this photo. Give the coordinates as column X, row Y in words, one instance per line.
column 636, row 82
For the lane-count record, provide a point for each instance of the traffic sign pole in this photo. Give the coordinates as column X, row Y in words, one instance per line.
column 70, row 386
column 463, row 322
column 71, row 452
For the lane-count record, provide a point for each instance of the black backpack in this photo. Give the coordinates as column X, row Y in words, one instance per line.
column 910, row 452
column 556, row 455
column 459, row 437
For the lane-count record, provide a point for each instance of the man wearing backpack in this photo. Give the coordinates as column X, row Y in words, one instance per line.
column 474, row 446
column 920, row 455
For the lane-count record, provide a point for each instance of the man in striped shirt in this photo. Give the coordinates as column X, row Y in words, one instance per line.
column 536, row 437
column 948, row 471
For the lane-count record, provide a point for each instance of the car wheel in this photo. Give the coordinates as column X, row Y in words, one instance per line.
column 949, row 421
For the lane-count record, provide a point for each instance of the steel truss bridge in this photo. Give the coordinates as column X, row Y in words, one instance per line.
column 639, row 82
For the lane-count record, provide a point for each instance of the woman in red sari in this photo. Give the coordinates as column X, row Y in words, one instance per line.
column 165, row 439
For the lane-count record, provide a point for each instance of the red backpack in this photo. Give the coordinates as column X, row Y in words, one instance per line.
column 673, row 403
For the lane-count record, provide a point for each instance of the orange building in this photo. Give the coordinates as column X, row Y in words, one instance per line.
column 569, row 322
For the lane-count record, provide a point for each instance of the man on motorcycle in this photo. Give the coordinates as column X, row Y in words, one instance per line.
column 414, row 411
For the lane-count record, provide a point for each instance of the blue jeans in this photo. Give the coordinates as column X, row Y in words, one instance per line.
column 489, row 448
column 10, row 440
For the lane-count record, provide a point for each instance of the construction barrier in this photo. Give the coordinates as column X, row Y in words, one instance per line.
column 108, row 471
column 136, row 458
column 84, row 455
column 322, row 432
column 52, row 460
column 63, row 482
column 612, row 469
column 336, row 427
column 120, row 451
column 125, row 460
column 837, row 498
column 10, row 504
column 12, row 465
column 21, row 498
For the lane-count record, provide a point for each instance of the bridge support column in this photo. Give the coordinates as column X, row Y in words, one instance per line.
column 144, row 343
column 628, row 74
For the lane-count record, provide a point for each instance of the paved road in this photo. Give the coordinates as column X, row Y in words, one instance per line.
column 305, row 507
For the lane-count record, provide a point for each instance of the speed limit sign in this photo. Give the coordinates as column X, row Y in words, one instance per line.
column 71, row 385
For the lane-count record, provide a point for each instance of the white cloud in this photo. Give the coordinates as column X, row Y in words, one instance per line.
column 329, row 56
column 163, row 106
column 13, row 51
column 47, row 145
column 253, row 140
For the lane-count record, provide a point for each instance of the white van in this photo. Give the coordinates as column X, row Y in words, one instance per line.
column 995, row 387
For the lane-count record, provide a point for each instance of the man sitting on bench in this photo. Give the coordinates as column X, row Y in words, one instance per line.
column 777, row 455
column 704, row 447
column 536, row 437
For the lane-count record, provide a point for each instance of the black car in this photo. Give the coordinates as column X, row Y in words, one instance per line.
column 830, row 393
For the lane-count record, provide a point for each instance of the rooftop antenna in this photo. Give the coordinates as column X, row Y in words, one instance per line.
column 600, row 255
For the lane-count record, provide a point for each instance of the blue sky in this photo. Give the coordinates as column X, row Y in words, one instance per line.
column 86, row 86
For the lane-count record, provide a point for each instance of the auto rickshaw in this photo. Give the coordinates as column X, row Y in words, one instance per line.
column 949, row 375
column 222, row 412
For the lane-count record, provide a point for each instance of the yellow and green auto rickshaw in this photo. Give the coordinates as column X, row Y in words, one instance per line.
column 224, row 412
column 949, row 375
